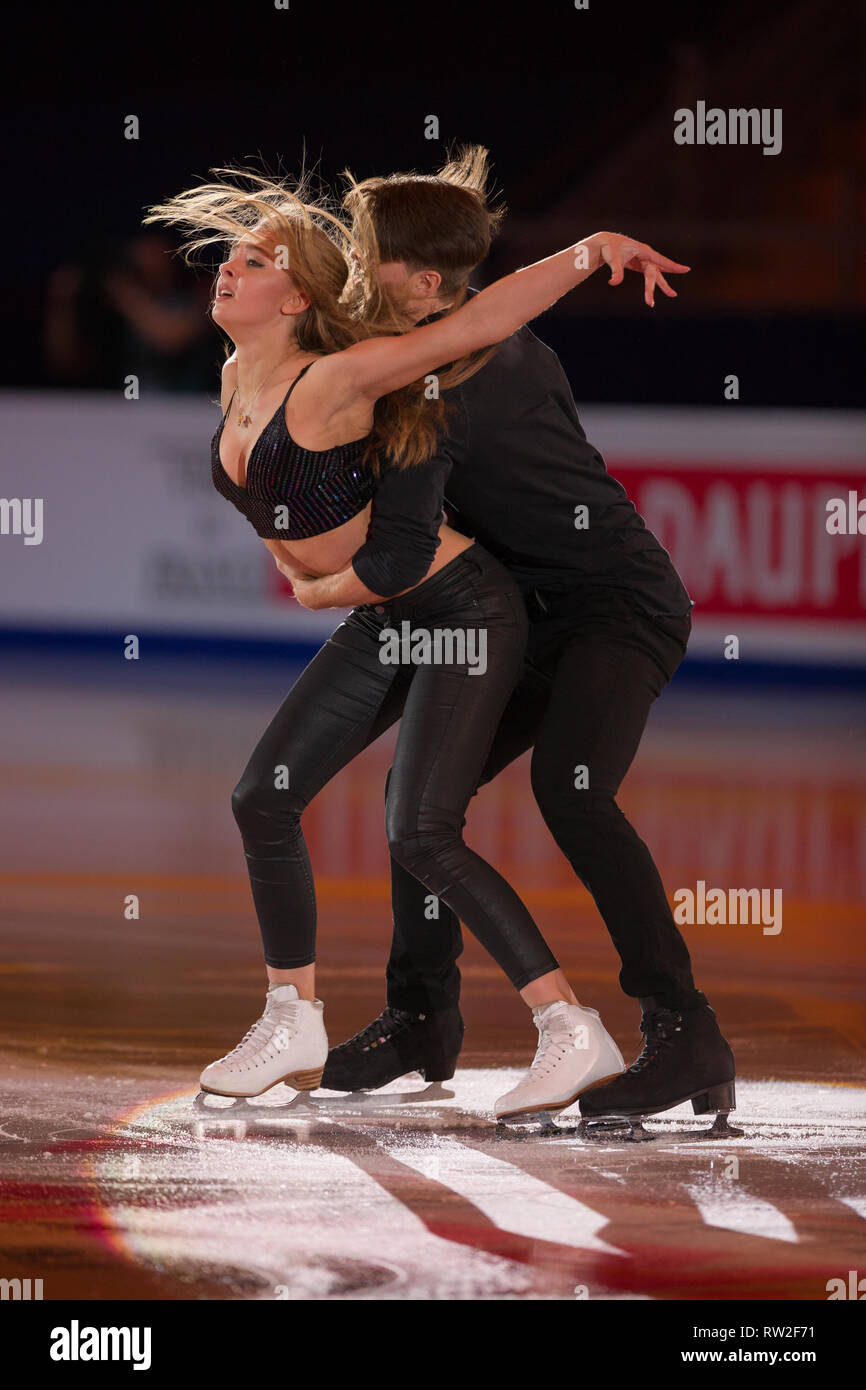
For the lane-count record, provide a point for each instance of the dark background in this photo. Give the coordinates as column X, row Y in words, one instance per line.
column 577, row 110
column 118, row 773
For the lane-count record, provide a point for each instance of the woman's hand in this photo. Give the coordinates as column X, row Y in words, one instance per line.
column 623, row 253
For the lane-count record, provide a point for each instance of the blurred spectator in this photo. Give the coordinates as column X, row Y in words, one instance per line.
column 138, row 310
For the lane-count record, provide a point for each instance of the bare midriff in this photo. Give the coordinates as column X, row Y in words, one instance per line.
column 332, row 551
column 327, row 553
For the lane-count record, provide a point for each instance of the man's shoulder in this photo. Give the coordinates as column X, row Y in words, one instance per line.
column 520, row 362
column 521, row 345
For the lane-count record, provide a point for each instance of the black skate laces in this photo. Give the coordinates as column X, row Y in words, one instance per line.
column 659, row 1030
column 389, row 1022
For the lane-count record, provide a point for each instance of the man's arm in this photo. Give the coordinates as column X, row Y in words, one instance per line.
column 401, row 543
column 341, row 590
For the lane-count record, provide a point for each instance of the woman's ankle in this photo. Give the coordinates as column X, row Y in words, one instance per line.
column 552, row 988
column 303, row 978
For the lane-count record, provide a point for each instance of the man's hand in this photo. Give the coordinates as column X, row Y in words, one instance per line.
column 308, row 589
column 341, row 590
column 623, row 253
column 312, row 592
column 305, row 587
column 292, row 573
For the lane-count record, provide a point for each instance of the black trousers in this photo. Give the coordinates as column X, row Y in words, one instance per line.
column 590, row 679
column 451, row 703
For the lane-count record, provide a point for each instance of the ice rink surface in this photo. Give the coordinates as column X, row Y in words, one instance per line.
column 117, row 1184
column 410, row 1193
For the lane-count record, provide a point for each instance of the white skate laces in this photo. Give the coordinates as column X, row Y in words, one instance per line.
column 574, row 1052
column 287, row 1043
column 271, row 1033
column 558, row 1033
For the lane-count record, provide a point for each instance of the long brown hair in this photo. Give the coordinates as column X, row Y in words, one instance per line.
column 346, row 304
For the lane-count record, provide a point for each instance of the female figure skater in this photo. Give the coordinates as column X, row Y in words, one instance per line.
column 312, row 391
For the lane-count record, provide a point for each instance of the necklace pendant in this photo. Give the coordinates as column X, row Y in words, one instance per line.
column 243, row 418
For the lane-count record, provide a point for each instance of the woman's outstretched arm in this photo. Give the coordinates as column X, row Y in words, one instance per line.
column 380, row 365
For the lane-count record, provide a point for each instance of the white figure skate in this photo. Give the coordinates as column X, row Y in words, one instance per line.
column 575, row 1051
column 288, row 1043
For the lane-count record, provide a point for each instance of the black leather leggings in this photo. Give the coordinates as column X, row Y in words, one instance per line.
column 587, row 688
column 450, row 709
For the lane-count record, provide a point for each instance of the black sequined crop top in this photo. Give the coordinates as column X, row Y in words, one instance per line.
column 293, row 493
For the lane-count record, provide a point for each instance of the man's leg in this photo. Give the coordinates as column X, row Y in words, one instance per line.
column 609, row 673
column 610, row 670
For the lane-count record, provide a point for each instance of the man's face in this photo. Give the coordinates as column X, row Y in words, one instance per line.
column 414, row 293
column 395, row 280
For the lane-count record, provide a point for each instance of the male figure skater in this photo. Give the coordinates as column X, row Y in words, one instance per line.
column 609, row 624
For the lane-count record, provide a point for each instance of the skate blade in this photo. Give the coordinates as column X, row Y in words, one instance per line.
column 539, row 1125
column 619, row 1129
column 240, row 1119
column 630, row 1129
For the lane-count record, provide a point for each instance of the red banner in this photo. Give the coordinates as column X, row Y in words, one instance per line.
column 758, row 541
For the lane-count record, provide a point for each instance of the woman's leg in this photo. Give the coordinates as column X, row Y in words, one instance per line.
column 447, row 728
column 449, row 720
column 343, row 700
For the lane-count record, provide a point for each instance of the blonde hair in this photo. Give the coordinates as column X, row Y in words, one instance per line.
column 346, row 304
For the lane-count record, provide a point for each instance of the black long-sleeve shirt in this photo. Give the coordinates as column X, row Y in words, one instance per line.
column 515, row 468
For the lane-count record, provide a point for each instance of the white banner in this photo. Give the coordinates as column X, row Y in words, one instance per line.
column 109, row 521
column 135, row 536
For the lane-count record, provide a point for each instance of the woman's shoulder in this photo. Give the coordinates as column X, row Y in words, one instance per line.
column 229, row 380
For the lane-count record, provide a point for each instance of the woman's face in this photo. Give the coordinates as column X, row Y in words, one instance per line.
column 253, row 290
